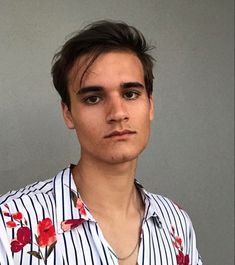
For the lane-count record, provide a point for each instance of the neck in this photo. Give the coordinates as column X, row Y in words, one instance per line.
column 107, row 187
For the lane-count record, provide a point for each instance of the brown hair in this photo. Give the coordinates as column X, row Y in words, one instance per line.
column 95, row 39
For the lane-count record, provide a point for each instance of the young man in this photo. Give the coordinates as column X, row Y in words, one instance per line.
column 95, row 212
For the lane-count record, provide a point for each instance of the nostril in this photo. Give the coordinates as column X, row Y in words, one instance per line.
column 118, row 118
column 117, row 110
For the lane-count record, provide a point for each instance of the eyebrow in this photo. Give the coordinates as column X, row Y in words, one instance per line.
column 87, row 89
column 126, row 85
column 132, row 84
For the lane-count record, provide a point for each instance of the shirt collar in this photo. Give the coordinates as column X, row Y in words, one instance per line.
column 151, row 209
column 64, row 191
column 65, row 208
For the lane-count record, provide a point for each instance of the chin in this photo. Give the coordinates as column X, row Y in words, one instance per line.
column 114, row 155
column 122, row 157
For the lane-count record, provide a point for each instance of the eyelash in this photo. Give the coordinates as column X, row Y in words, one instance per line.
column 136, row 93
column 87, row 99
column 88, row 102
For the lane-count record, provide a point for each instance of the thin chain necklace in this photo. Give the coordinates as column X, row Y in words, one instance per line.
column 136, row 246
column 134, row 249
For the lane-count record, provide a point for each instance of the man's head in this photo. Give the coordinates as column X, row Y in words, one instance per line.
column 96, row 39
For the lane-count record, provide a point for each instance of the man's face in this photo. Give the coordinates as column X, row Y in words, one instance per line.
column 110, row 109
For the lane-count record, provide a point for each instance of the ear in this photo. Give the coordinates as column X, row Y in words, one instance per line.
column 151, row 108
column 68, row 119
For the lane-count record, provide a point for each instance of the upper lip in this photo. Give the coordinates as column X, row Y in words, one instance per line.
column 119, row 133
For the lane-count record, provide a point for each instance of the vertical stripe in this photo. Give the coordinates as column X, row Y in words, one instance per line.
column 85, row 244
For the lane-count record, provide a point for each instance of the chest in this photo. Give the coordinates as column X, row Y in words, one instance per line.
column 86, row 244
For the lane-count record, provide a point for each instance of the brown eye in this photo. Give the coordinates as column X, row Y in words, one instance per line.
column 130, row 95
column 92, row 100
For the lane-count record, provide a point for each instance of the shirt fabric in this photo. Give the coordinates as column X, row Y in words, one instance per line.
column 167, row 235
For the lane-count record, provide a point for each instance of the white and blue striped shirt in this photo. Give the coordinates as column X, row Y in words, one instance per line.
column 167, row 233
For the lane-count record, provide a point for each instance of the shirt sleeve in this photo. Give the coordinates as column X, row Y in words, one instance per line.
column 5, row 251
column 195, row 256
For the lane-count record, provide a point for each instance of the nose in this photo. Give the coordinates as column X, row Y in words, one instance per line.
column 117, row 111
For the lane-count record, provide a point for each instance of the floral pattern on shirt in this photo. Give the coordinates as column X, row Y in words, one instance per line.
column 79, row 204
column 59, row 205
column 45, row 237
column 181, row 258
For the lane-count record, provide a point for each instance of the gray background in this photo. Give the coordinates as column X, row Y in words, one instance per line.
column 190, row 157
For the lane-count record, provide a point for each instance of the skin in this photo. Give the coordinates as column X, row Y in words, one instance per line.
column 111, row 114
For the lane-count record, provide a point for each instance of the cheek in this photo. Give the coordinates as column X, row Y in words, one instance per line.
column 144, row 124
column 142, row 115
column 88, row 127
column 82, row 118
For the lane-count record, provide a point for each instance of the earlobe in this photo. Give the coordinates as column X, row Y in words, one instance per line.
column 67, row 116
column 151, row 110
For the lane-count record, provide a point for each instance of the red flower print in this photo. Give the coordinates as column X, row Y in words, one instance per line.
column 6, row 214
column 182, row 259
column 178, row 243
column 16, row 246
column 80, row 206
column 78, row 203
column 17, row 216
column 11, row 224
column 23, row 237
column 46, row 233
column 70, row 224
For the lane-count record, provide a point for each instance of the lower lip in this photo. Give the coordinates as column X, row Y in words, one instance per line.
column 122, row 136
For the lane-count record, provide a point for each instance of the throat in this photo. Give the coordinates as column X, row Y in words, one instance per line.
column 123, row 235
column 116, row 204
column 116, row 194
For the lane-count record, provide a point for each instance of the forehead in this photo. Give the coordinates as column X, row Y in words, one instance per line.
column 114, row 64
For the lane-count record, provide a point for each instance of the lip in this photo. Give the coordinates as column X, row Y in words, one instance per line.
column 122, row 133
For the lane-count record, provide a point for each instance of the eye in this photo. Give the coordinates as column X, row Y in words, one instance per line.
column 130, row 95
column 92, row 100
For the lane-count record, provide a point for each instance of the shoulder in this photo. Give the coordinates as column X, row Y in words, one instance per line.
column 165, row 204
column 36, row 189
column 171, row 213
column 177, row 221
column 177, row 224
column 21, row 213
column 36, row 201
column 32, row 202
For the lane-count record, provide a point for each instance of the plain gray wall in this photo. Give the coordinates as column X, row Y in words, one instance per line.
column 190, row 157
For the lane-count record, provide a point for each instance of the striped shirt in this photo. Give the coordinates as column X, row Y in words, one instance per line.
column 167, row 235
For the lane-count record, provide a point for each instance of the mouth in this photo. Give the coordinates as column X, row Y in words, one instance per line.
column 124, row 133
